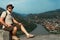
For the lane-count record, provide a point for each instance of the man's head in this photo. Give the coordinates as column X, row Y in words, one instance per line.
column 9, row 7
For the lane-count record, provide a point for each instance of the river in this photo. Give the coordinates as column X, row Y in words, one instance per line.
column 40, row 30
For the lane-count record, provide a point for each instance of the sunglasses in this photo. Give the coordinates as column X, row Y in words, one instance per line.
column 10, row 8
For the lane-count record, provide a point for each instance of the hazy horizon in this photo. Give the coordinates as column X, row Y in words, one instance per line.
column 31, row 6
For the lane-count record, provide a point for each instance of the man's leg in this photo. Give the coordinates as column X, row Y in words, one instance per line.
column 25, row 31
column 14, row 36
column 14, row 31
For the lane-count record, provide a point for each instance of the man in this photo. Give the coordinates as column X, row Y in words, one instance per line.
column 7, row 20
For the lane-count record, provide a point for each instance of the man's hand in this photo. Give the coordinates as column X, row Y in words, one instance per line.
column 19, row 24
column 6, row 25
column 9, row 25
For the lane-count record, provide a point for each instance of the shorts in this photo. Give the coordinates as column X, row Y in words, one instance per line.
column 9, row 28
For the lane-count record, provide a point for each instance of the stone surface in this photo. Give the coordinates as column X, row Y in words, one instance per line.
column 43, row 37
column 4, row 35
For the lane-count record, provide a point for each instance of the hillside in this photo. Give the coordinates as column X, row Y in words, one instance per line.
column 49, row 14
column 19, row 18
column 46, row 14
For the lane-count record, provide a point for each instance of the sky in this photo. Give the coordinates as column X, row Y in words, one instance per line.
column 31, row 6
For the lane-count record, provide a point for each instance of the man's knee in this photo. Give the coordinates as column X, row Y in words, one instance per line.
column 20, row 24
column 15, row 28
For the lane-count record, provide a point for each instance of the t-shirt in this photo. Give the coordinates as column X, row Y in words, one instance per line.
column 9, row 18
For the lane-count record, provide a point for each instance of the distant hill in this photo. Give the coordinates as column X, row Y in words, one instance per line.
column 36, row 17
column 53, row 13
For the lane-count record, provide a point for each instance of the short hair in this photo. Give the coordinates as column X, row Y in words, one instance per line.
column 10, row 5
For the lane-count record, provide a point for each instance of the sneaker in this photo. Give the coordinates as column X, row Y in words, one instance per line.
column 30, row 36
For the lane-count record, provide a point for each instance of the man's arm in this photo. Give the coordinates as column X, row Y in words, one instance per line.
column 16, row 22
column 2, row 18
column 2, row 22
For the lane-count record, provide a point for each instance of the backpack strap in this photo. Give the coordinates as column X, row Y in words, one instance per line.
column 4, row 21
column 5, row 16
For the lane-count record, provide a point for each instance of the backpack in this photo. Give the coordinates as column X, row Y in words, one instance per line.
column 4, row 20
